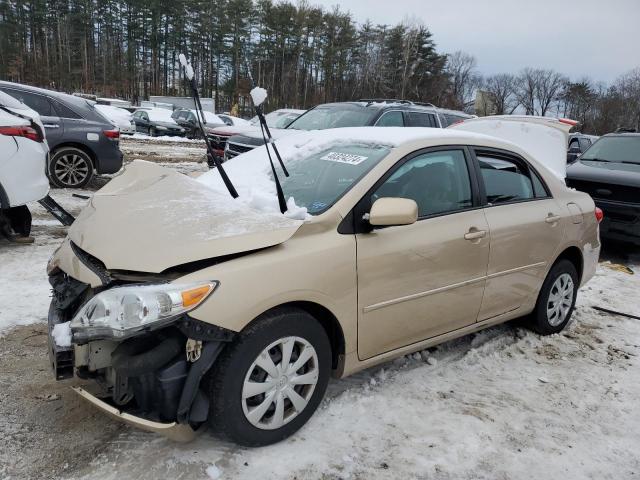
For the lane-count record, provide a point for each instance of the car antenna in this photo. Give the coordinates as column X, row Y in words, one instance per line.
column 258, row 96
column 188, row 71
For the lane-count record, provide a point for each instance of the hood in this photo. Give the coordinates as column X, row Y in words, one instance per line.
column 544, row 138
column 254, row 136
column 228, row 131
column 150, row 218
column 605, row 172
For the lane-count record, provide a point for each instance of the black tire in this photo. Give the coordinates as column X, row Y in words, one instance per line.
column 63, row 173
column 226, row 379
column 540, row 320
column 20, row 220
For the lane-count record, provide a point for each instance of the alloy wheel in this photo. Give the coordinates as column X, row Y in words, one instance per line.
column 280, row 383
column 71, row 169
column 560, row 300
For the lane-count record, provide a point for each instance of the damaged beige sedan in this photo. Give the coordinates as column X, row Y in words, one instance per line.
column 190, row 308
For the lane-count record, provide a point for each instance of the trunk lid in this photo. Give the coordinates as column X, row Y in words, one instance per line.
column 544, row 138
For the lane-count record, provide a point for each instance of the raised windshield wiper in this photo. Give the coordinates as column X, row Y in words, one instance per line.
column 188, row 71
column 258, row 96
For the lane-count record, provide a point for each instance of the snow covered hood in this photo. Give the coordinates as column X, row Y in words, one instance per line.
column 151, row 218
column 544, row 138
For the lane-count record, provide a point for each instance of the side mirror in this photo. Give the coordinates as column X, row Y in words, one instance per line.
column 390, row 211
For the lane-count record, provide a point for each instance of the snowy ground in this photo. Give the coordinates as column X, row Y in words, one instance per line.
column 500, row 404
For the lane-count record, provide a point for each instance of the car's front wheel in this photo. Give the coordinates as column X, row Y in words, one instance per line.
column 268, row 383
column 556, row 300
column 70, row 168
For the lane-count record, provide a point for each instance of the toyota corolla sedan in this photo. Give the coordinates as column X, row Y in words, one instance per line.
column 188, row 307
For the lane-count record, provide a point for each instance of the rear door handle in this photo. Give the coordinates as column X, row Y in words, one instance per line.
column 551, row 218
column 51, row 125
column 474, row 234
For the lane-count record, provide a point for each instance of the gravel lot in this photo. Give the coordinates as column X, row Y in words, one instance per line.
column 500, row 404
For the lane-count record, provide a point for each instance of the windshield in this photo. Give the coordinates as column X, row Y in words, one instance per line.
column 615, row 149
column 211, row 118
column 335, row 116
column 317, row 181
column 277, row 119
column 160, row 115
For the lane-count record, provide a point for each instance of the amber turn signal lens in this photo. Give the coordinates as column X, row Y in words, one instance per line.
column 194, row 296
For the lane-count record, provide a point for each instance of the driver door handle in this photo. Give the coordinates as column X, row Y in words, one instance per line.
column 474, row 234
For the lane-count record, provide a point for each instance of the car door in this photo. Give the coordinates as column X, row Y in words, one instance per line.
column 526, row 228
column 422, row 280
column 52, row 123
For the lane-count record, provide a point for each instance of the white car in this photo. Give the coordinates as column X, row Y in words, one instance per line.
column 120, row 117
column 23, row 160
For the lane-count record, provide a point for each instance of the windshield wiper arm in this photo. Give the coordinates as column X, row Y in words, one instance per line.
column 188, row 71
column 268, row 140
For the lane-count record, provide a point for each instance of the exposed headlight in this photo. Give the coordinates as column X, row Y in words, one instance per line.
column 122, row 311
column 160, row 127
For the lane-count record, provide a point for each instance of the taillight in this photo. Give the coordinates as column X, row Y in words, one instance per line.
column 113, row 134
column 599, row 214
column 26, row 132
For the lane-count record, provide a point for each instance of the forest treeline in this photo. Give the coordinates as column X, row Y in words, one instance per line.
column 302, row 54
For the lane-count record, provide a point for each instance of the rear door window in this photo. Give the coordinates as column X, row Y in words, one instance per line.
column 418, row 119
column 506, row 180
column 65, row 112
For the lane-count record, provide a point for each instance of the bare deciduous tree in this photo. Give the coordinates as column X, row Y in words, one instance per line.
column 463, row 78
column 501, row 89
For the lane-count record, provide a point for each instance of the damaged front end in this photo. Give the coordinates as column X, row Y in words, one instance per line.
column 137, row 341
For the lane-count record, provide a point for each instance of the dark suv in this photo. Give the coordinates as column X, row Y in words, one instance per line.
column 609, row 171
column 81, row 140
column 362, row 113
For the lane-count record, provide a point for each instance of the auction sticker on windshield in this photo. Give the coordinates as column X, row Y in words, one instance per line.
column 340, row 157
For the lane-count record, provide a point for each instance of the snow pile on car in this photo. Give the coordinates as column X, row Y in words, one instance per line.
column 251, row 172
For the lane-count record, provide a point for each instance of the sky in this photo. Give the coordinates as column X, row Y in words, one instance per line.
column 599, row 39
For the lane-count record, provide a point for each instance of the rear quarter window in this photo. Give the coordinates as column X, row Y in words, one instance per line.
column 66, row 112
column 419, row 119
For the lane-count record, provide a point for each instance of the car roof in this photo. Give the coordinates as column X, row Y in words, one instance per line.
column 623, row 134
column 382, row 105
column 63, row 97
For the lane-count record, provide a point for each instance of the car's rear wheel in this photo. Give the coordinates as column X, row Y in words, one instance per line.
column 70, row 168
column 268, row 383
column 556, row 300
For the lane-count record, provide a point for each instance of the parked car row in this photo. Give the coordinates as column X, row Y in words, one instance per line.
column 367, row 112
column 81, row 140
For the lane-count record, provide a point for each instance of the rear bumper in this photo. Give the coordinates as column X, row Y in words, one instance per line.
column 621, row 221
column 171, row 430
column 110, row 159
column 27, row 171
